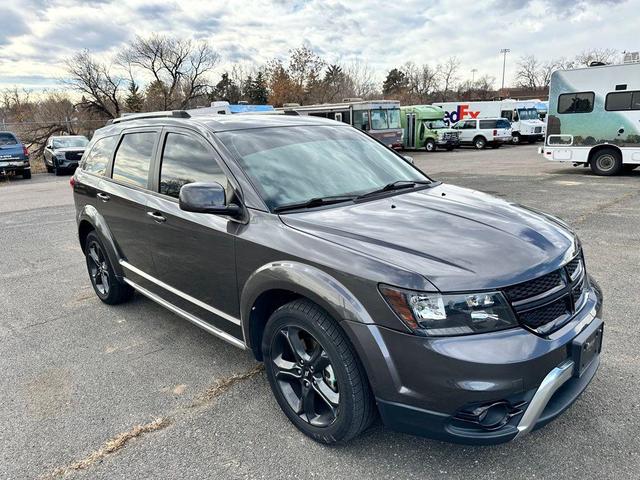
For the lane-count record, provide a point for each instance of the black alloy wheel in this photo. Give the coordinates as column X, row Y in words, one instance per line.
column 103, row 279
column 305, row 376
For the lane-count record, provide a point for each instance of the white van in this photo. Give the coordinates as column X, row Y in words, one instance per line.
column 484, row 131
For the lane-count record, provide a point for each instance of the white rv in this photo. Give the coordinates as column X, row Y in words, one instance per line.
column 594, row 118
column 523, row 115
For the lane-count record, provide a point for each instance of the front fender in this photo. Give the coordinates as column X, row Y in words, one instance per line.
column 90, row 214
column 305, row 280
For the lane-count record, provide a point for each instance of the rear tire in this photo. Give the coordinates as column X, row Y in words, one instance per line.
column 103, row 279
column 26, row 174
column 479, row 142
column 315, row 374
column 607, row 162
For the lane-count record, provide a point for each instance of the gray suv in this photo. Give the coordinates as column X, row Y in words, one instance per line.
column 363, row 285
column 62, row 153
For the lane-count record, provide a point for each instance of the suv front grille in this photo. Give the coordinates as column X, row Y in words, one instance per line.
column 547, row 303
column 75, row 156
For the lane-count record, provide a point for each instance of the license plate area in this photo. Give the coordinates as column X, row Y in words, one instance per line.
column 585, row 347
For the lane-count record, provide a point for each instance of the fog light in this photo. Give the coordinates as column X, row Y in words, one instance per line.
column 490, row 416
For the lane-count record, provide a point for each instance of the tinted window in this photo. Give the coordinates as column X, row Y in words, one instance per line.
column 576, row 102
column 131, row 164
column 98, row 157
column 186, row 160
column 622, row 101
column 503, row 124
column 508, row 114
column 469, row 124
column 7, row 139
column 488, row 124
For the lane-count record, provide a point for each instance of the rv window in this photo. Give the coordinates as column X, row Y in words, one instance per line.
column 581, row 102
column 361, row 119
column 622, row 101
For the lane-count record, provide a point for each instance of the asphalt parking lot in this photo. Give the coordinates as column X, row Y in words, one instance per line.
column 79, row 376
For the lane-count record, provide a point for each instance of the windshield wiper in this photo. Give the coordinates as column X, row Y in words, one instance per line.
column 315, row 202
column 397, row 185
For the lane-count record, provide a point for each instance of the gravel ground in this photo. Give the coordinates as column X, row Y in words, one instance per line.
column 133, row 391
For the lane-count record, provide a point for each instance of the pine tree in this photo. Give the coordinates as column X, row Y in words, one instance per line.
column 134, row 100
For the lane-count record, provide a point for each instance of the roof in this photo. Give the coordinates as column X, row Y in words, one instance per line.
column 424, row 110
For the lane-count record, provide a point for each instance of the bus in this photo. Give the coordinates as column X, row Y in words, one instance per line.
column 594, row 118
column 379, row 118
column 424, row 127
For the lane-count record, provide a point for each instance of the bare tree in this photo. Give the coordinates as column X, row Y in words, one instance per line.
column 448, row 76
column 601, row 55
column 362, row 78
column 423, row 82
column 94, row 80
column 178, row 66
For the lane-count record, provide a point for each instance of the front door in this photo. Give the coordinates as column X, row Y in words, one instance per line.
column 193, row 253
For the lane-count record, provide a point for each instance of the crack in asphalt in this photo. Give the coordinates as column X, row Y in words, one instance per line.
column 115, row 444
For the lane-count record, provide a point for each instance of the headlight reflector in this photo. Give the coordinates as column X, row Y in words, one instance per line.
column 439, row 315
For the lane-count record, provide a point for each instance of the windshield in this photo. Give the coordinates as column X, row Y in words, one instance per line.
column 435, row 124
column 8, row 139
column 291, row 165
column 528, row 114
column 67, row 142
column 381, row 119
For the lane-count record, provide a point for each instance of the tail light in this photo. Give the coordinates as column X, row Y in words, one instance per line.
column 25, row 151
column 495, row 133
column 72, row 181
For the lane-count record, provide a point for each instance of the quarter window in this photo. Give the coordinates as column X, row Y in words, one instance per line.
column 131, row 164
column 576, row 102
column 617, row 101
column 186, row 160
column 488, row 124
column 97, row 159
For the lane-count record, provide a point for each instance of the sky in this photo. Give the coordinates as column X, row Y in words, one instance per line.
column 37, row 35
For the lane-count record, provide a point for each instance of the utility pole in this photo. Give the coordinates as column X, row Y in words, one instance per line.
column 504, row 52
column 473, row 74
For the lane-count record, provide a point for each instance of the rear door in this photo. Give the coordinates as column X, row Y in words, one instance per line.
column 193, row 253
column 122, row 198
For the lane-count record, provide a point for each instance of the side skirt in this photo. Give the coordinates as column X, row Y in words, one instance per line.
column 187, row 316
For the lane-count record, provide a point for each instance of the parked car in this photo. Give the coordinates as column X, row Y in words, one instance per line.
column 362, row 284
column 14, row 156
column 484, row 131
column 62, row 153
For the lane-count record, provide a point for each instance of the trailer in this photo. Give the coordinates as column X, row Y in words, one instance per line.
column 423, row 126
column 522, row 114
column 379, row 118
column 594, row 118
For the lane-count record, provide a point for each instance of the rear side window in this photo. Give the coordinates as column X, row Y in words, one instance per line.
column 581, row 102
column 488, row 124
column 617, row 101
column 97, row 159
column 7, row 138
column 186, row 160
column 131, row 164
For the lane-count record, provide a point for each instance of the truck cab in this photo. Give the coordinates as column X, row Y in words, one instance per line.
column 423, row 126
column 525, row 122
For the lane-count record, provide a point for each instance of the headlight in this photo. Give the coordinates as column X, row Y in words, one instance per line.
column 438, row 315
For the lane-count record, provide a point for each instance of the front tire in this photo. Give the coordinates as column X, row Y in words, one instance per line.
column 315, row 374
column 607, row 162
column 430, row 145
column 515, row 138
column 103, row 279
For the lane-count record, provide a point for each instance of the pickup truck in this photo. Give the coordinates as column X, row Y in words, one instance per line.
column 14, row 156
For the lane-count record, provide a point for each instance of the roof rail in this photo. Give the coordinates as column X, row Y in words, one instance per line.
column 135, row 116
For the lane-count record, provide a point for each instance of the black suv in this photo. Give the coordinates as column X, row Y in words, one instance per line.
column 363, row 285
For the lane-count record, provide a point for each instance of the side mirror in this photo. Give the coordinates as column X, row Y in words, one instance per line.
column 203, row 197
column 408, row 159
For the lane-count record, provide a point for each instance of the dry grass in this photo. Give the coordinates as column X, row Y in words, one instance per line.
column 224, row 384
column 110, row 447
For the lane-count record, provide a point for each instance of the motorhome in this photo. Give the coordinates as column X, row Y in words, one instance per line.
column 594, row 118
column 522, row 114
column 379, row 118
column 423, row 126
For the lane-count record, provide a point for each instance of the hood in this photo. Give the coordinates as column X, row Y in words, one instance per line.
column 459, row 239
column 69, row 149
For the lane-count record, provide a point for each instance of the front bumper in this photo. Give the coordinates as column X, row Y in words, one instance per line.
column 448, row 142
column 427, row 386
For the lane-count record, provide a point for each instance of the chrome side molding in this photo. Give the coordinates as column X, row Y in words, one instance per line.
column 187, row 316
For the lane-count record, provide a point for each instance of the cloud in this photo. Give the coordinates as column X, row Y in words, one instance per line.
column 13, row 25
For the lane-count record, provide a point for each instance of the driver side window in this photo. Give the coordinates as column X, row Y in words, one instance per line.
column 187, row 160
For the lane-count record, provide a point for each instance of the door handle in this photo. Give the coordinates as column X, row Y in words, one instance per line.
column 157, row 217
column 103, row 196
